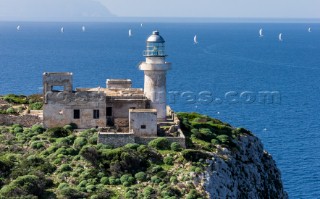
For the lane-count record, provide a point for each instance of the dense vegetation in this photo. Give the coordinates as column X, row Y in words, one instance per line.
column 18, row 103
column 62, row 163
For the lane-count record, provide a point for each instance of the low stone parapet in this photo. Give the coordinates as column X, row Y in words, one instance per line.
column 116, row 139
column 24, row 120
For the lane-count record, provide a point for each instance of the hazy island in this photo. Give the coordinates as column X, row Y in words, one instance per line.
column 219, row 161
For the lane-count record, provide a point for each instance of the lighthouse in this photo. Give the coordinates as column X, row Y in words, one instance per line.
column 155, row 68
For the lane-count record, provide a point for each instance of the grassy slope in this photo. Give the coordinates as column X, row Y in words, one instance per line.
column 57, row 163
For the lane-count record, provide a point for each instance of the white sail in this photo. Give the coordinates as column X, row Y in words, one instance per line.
column 309, row 29
column 261, row 32
column 62, row 30
column 18, row 27
column 83, row 28
column 130, row 33
column 195, row 39
column 280, row 37
column 141, row 25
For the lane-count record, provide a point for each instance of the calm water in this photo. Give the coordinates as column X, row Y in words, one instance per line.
column 230, row 63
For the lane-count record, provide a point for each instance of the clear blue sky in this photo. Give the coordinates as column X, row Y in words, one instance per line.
column 216, row 8
column 83, row 9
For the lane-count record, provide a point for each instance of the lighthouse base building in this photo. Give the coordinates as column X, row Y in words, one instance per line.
column 121, row 114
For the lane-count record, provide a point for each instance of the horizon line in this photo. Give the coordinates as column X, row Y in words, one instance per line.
column 172, row 19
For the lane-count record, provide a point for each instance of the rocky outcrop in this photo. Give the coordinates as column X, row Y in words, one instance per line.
column 246, row 171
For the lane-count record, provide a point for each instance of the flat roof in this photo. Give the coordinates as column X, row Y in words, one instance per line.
column 125, row 92
column 143, row 110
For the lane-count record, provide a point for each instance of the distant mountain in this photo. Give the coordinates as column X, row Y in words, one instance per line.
column 53, row 10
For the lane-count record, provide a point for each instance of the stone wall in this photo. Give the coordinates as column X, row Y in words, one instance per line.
column 143, row 122
column 121, row 122
column 118, row 83
column 60, row 106
column 24, row 120
column 116, row 139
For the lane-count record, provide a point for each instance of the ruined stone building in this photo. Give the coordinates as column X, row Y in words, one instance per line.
column 121, row 113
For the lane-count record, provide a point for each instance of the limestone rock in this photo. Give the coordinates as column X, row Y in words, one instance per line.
column 245, row 172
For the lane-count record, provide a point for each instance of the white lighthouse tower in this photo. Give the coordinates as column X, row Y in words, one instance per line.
column 155, row 68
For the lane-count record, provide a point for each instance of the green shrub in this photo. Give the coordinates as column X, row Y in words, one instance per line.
column 170, row 193
column 132, row 146
column 37, row 145
column 155, row 179
column 4, row 130
column 128, row 179
column 18, row 130
column 83, row 183
column 168, row 160
column 68, row 127
column 148, row 191
column 175, row 146
column 174, row 180
column 91, row 154
column 34, row 98
column 156, row 169
column 141, row 176
column 73, row 125
column 65, row 167
column 70, row 193
column 11, row 110
column 223, row 138
column 36, row 106
column 61, row 151
column 198, row 170
column 38, row 128
column 79, row 143
column 215, row 142
column 114, row 181
column 194, row 155
column 57, row 132
column 16, row 99
column 93, row 139
column 206, row 134
column 24, row 185
column 104, row 180
column 6, row 164
column 192, row 194
column 130, row 194
column 90, row 188
column 244, row 131
column 63, row 186
column 160, row 143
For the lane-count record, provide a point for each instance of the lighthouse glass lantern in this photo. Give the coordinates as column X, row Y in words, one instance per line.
column 155, row 46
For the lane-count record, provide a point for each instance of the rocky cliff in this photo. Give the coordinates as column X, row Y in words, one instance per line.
column 246, row 172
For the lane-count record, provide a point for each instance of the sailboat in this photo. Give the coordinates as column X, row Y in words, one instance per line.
column 83, row 28
column 309, row 29
column 261, row 32
column 280, row 37
column 62, row 30
column 195, row 39
column 18, row 27
column 141, row 25
column 130, row 33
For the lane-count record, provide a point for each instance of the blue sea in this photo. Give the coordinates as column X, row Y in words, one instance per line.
column 269, row 87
